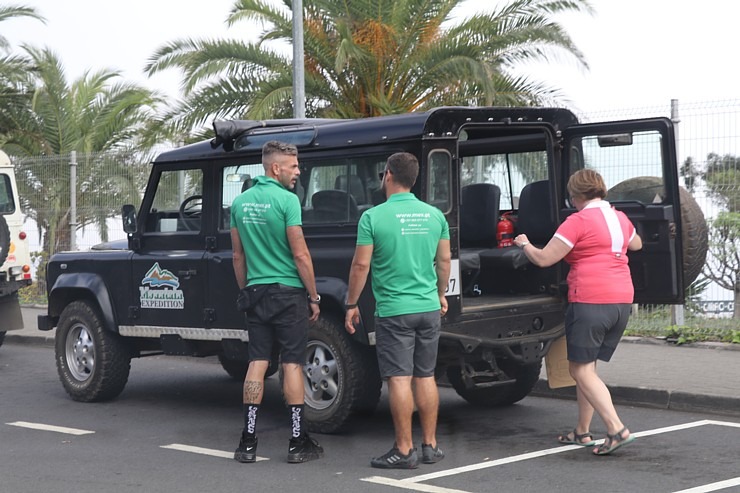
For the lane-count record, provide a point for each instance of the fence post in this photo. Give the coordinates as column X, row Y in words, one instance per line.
column 677, row 314
column 73, row 200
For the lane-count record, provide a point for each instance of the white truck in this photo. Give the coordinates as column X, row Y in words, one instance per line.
column 15, row 257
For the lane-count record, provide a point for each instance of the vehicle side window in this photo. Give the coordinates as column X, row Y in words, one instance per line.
column 339, row 191
column 439, row 180
column 235, row 180
column 510, row 172
column 7, row 204
column 178, row 202
column 631, row 164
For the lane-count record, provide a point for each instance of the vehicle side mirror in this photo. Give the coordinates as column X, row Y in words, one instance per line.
column 129, row 219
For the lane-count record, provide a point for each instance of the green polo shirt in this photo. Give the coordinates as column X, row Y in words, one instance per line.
column 404, row 232
column 261, row 215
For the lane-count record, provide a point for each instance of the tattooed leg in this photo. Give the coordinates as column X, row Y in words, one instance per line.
column 253, row 392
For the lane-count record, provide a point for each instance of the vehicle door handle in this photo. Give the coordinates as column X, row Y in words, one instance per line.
column 187, row 273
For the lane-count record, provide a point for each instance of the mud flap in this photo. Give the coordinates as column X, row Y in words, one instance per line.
column 10, row 313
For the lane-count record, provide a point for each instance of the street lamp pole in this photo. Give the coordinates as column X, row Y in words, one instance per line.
column 299, row 82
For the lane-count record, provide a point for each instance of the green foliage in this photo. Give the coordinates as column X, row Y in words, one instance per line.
column 369, row 58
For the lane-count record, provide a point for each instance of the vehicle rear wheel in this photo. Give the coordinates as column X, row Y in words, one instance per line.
column 524, row 378
column 695, row 232
column 333, row 377
column 92, row 362
column 4, row 240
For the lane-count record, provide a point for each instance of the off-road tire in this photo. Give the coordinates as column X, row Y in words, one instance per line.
column 4, row 239
column 93, row 363
column 695, row 232
column 369, row 392
column 333, row 363
column 525, row 377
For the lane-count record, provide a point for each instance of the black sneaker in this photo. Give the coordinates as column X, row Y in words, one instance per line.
column 396, row 460
column 431, row 455
column 247, row 449
column 304, row 449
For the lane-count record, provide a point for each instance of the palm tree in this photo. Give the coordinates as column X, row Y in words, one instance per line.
column 14, row 70
column 371, row 57
column 92, row 114
column 10, row 11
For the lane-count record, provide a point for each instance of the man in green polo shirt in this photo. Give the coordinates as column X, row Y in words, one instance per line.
column 271, row 259
column 407, row 244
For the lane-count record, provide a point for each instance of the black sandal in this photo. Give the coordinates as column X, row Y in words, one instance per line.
column 577, row 439
column 613, row 442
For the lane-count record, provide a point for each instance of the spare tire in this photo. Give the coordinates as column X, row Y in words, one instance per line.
column 694, row 234
column 4, row 239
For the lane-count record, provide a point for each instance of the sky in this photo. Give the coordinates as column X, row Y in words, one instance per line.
column 640, row 52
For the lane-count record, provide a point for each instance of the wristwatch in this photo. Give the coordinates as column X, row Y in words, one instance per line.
column 317, row 301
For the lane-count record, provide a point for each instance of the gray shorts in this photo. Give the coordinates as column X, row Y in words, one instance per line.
column 407, row 344
column 592, row 331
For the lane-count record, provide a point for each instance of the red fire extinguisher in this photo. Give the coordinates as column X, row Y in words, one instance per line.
column 505, row 231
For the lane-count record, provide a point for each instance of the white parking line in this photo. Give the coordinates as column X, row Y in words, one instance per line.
column 43, row 427
column 412, row 482
column 204, row 451
column 720, row 485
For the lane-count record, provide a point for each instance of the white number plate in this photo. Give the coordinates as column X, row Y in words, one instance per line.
column 453, row 285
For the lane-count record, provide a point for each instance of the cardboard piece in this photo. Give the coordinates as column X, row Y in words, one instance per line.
column 556, row 365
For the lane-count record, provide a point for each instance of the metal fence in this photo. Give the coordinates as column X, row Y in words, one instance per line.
column 98, row 184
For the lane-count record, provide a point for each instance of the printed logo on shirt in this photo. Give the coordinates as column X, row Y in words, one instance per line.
column 414, row 223
column 255, row 212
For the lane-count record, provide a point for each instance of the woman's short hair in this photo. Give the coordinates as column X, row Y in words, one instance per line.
column 587, row 184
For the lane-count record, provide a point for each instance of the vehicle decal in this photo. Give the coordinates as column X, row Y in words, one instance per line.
column 160, row 290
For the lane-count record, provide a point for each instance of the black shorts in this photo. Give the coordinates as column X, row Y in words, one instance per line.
column 592, row 331
column 407, row 344
column 280, row 316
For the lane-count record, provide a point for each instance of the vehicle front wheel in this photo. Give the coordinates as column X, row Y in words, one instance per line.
column 492, row 391
column 93, row 363
column 333, row 378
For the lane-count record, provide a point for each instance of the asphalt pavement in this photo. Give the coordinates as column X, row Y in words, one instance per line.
column 699, row 377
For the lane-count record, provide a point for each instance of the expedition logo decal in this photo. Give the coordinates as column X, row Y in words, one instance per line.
column 160, row 289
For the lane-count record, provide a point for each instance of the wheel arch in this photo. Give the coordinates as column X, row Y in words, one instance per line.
column 333, row 293
column 82, row 286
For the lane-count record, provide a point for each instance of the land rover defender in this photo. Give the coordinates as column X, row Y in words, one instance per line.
column 170, row 287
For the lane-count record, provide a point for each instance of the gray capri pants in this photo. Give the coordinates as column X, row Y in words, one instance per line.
column 407, row 344
column 592, row 331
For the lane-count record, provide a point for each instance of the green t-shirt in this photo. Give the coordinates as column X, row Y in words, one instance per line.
column 261, row 215
column 405, row 233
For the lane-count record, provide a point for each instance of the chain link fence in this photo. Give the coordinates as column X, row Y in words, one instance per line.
column 98, row 184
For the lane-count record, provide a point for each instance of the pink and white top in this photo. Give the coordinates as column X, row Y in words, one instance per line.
column 599, row 272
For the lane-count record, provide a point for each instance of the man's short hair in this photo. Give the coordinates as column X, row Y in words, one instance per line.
column 405, row 168
column 273, row 147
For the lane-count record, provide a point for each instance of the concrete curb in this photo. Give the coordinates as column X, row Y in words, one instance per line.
column 42, row 340
column 653, row 398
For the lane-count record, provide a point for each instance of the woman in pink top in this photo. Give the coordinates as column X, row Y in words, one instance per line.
column 594, row 241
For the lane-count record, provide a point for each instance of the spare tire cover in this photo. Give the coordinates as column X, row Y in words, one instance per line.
column 694, row 234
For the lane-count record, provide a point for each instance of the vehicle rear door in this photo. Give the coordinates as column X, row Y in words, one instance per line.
column 638, row 162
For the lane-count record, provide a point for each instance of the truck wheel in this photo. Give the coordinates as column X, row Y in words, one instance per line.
column 237, row 368
column 332, row 376
column 4, row 239
column 93, row 363
column 369, row 392
column 524, row 379
column 695, row 233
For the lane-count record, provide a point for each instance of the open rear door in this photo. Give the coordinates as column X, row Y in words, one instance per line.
column 638, row 161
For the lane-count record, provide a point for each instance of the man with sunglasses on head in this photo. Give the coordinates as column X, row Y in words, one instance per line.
column 271, row 259
column 407, row 244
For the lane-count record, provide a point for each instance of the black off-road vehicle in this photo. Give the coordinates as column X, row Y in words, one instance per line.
column 170, row 287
